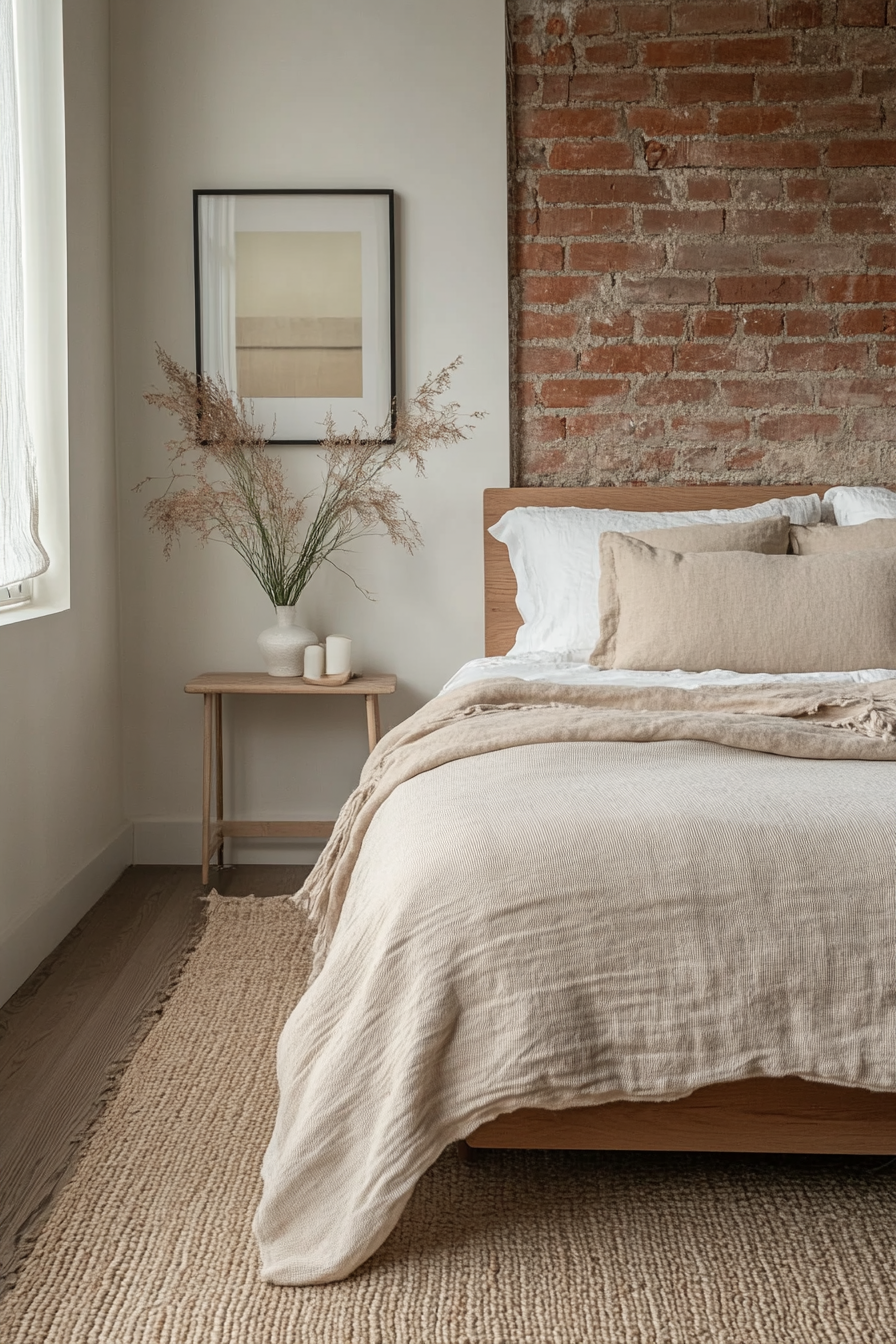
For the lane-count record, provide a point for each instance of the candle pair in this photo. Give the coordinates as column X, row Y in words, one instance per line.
column 337, row 658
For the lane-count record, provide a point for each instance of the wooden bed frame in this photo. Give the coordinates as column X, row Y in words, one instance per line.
column 770, row 1115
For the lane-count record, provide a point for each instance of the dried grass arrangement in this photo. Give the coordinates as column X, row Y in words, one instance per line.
column 239, row 493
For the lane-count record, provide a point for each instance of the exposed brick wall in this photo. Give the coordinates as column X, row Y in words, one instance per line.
column 704, row 254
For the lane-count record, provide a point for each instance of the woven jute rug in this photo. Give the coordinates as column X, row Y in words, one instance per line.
column 151, row 1239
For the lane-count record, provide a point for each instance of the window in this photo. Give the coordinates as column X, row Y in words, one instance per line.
column 33, row 348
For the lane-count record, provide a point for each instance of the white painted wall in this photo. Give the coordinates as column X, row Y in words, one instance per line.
column 63, row 835
column 406, row 94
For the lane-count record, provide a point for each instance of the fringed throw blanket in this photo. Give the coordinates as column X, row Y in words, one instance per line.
column 567, row 895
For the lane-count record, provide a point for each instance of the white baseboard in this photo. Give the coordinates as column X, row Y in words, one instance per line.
column 157, row 840
column 26, row 945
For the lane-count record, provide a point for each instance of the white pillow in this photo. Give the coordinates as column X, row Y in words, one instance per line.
column 854, row 504
column 555, row 557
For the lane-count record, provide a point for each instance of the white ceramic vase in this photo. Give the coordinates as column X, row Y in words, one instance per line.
column 283, row 645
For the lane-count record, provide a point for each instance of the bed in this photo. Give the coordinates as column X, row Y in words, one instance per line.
column 472, row 926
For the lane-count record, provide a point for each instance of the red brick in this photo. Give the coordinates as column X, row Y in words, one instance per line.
column 682, row 221
column 841, row 116
column 623, row 425
column 581, row 391
column 644, row 18
column 807, row 189
column 599, row 19
column 663, row 323
column 562, row 55
column 753, row 51
column 547, row 326
column 709, row 88
column 710, row 431
column 524, row 26
column 555, row 89
column 788, row 428
column 862, row 153
column 627, row 359
column 602, row 190
column 583, row 222
column 538, row 257
column 665, row 55
column 882, row 254
column 546, row 462
column 886, row 356
column 525, row 87
column 714, row 322
column 766, row 392
column 596, row 154
column 620, row 324
column 870, row 48
column 525, row 394
column 523, row 54
column 744, row 459
column 856, row 288
column 771, row 223
column 762, row 288
column 868, row 322
column 797, row 14
column 859, row 391
column 612, row 88
column 750, row 154
column 563, row 122
column 674, row 392
column 861, row 219
column 878, row 83
column 690, row 358
column 556, row 288
column 800, row 88
column 665, row 289
column 662, row 121
column 858, row 190
column 807, row 322
column 862, row 13
column 874, row 425
column 607, row 257
column 716, row 16
column 825, row 356
column 609, row 53
column 712, row 256
column 708, row 189
column 545, row 359
column 763, row 322
column 753, row 120
column 807, row 256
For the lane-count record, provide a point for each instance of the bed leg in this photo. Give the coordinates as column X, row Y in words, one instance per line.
column 465, row 1153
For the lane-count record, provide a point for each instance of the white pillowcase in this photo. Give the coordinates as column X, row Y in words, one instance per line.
column 854, row 504
column 555, row 557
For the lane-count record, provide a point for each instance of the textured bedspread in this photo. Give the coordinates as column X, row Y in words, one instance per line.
column 545, row 912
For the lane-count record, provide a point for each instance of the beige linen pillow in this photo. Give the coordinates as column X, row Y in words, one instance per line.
column 771, row 536
column 746, row 612
column 823, row 538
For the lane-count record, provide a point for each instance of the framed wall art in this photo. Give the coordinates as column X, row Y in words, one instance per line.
column 295, row 304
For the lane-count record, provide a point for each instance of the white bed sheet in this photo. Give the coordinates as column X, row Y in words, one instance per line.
column 575, row 670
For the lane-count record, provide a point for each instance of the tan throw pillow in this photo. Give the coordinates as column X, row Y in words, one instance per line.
column 745, row 612
column 770, row 536
column 877, row 535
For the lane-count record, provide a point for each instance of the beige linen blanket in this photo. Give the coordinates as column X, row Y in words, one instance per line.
column 547, row 895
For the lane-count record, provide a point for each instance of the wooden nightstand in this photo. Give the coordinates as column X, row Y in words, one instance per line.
column 213, row 686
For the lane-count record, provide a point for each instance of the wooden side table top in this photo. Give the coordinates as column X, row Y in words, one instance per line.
column 259, row 683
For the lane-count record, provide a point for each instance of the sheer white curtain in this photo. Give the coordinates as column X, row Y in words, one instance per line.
column 217, row 286
column 21, row 554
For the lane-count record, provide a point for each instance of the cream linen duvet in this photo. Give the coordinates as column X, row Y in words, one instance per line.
column 546, row 895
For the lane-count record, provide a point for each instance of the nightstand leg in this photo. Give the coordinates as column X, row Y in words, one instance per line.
column 373, row 720
column 206, row 780
column 219, row 772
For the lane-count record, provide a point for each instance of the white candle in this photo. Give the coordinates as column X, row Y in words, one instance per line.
column 314, row 660
column 339, row 654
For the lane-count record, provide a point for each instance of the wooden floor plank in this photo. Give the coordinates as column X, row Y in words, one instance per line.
column 66, row 1031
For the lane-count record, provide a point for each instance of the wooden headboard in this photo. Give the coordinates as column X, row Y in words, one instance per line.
column 502, row 620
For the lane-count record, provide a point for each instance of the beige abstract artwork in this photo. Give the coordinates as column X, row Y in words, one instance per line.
column 298, row 314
